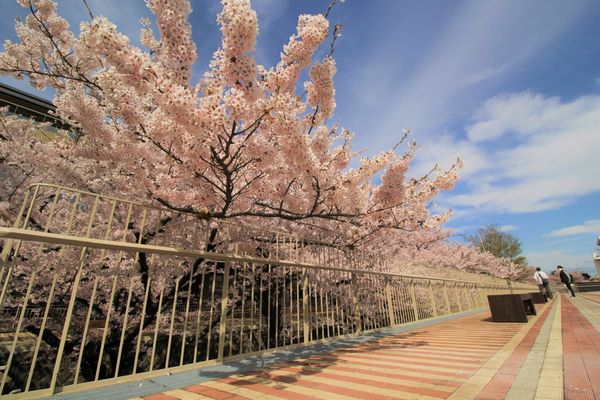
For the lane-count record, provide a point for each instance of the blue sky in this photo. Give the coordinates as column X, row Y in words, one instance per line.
column 511, row 87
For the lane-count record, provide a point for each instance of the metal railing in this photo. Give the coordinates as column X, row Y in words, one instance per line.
column 57, row 209
column 84, row 309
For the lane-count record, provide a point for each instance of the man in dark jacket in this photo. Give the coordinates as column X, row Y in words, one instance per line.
column 565, row 279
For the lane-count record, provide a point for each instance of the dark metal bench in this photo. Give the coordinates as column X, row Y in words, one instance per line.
column 511, row 307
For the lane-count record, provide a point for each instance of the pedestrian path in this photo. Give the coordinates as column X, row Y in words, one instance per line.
column 581, row 346
column 556, row 355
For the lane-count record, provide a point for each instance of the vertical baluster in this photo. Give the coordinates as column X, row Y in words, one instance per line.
column 186, row 315
column 269, row 284
column 390, row 304
column 260, row 309
column 305, row 300
column 457, row 297
column 432, row 297
column 468, row 297
column 252, row 306
column 354, row 286
column 276, row 309
column 234, row 268
column 172, row 326
column 125, row 319
column 74, row 288
column 298, row 330
column 199, row 316
column 211, row 313
column 157, row 327
column 85, row 331
column 13, row 346
column 142, row 320
column 414, row 300
column 50, row 293
column 223, row 322
column 328, row 318
column 445, row 284
column 322, row 319
column 243, row 310
column 106, row 325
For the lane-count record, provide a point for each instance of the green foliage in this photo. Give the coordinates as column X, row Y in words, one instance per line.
column 492, row 239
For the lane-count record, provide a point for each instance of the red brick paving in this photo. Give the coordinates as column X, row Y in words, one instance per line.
column 209, row 392
column 266, row 389
column 159, row 396
column 581, row 348
column 500, row 384
column 365, row 381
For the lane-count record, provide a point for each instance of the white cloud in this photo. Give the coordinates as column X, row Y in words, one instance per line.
column 476, row 48
column 590, row 226
column 571, row 261
column 539, row 153
column 507, row 228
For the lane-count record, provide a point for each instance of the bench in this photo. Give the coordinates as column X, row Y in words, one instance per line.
column 511, row 307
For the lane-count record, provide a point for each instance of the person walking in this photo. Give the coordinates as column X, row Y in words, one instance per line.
column 541, row 278
column 565, row 279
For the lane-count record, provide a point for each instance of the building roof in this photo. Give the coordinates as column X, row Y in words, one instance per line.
column 29, row 105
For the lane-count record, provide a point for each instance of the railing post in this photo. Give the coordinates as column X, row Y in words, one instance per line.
column 432, row 296
column 481, row 295
column 390, row 303
column 67, row 323
column 356, row 303
column 460, row 308
column 223, row 322
column 447, row 298
column 414, row 301
column 8, row 244
column 305, row 306
column 468, row 297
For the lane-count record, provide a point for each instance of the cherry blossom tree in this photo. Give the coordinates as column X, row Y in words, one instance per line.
column 241, row 142
column 246, row 142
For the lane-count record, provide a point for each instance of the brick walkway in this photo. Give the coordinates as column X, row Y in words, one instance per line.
column 581, row 346
column 554, row 356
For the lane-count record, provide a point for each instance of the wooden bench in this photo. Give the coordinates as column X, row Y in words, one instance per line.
column 511, row 307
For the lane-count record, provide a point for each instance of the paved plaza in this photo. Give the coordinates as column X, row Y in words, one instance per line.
column 556, row 355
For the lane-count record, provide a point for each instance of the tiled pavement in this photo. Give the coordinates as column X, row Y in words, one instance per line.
column 554, row 356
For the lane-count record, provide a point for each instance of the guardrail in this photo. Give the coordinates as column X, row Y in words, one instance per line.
column 79, row 310
column 581, row 287
column 99, row 317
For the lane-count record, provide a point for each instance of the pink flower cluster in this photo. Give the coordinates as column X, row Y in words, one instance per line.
column 240, row 143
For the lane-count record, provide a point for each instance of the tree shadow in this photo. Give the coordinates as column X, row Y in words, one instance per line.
column 310, row 361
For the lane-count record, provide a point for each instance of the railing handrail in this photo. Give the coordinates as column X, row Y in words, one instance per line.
column 37, row 236
column 136, row 203
column 300, row 239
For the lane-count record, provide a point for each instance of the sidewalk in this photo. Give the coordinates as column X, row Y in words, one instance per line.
column 556, row 355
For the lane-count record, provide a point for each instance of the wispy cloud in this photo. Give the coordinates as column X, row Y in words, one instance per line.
column 590, row 226
column 476, row 49
column 507, row 228
column 538, row 153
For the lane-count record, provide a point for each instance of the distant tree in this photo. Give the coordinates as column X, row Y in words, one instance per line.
column 492, row 239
